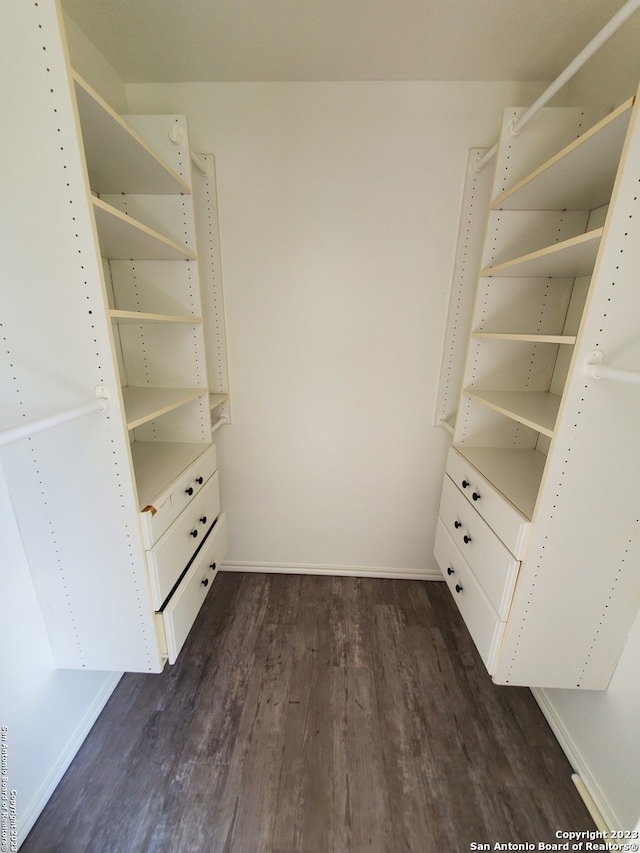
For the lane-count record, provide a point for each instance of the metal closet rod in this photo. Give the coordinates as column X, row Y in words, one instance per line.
column 100, row 404
column 621, row 16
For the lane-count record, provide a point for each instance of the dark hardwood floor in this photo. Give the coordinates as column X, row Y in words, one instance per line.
column 315, row 715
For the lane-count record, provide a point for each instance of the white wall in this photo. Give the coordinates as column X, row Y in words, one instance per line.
column 602, row 730
column 48, row 711
column 339, row 206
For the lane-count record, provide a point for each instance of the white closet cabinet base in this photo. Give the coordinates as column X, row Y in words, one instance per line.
column 168, row 557
column 510, row 525
column 157, row 518
column 184, row 605
column 494, row 566
column 485, row 627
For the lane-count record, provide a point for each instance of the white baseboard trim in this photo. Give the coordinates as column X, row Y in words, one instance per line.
column 593, row 796
column 28, row 816
column 336, row 571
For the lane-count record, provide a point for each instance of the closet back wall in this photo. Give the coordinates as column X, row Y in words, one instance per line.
column 339, row 206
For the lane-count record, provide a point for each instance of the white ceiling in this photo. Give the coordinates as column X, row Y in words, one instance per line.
column 233, row 40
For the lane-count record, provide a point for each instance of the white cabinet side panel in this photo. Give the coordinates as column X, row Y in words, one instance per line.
column 471, row 231
column 580, row 580
column 70, row 487
column 211, row 281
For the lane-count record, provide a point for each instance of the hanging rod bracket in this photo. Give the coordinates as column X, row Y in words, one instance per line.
column 595, row 368
column 26, row 430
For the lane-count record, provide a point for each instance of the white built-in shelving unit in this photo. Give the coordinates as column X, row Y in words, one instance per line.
column 539, row 447
column 119, row 508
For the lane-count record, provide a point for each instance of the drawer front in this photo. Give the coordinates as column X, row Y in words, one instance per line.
column 498, row 512
column 193, row 481
column 155, row 523
column 495, row 567
column 483, row 623
column 180, row 613
column 170, row 555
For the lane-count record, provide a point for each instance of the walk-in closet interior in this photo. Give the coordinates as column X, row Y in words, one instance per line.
column 304, row 291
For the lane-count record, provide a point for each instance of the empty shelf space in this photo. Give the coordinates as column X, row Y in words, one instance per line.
column 157, row 464
column 568, row 259
column 118, row 159
column 126, row 239
column 146, row 404
column 515, row 472
column 140, row 317
column 580, row 177
column 533, row 337
column 535, row 409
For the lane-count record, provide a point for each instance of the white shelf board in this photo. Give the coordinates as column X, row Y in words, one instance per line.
column 139, row 317
column 158, row 464
column 118, row 159
column 533, row 338
column 580, row 177
column 125, row 239
column 568, row 259
column 535, row 409
column 216, row 400
column 515, row 472
column 145, row 404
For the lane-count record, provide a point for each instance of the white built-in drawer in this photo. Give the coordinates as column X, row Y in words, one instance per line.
column 184, row 605
column 500, row 514
column 193, row 480
column 168, row 557
column 494, row 566
column 485, row 627
column 158, row 518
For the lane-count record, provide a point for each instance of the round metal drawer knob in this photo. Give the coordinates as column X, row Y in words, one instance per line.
column 475, row 496
column 449, row 570
column 466, row 539
column 458, row 587
column 189, row 491
column 457, row 524
column 205, row 581
column 194, row 533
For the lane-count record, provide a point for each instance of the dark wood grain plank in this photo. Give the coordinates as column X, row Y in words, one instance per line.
column 315, row 715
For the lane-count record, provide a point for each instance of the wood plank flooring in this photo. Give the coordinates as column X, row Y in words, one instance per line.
column 315, row 715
